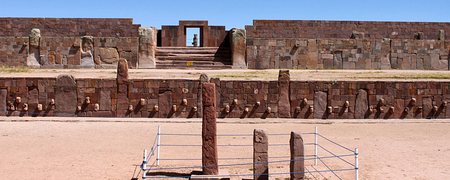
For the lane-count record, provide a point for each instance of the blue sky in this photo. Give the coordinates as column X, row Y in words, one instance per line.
column 232, row 13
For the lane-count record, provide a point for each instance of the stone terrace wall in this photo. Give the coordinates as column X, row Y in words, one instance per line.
column 60, row 42
column 344, row 29
column 330, row 45
column 236, row 99
column 68, row 27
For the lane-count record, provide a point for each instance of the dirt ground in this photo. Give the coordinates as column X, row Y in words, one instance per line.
column 236, row 74
column 111, row 150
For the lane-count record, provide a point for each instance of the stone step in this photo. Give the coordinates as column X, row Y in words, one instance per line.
column 191, row 63
column 192, row 52
column 162, row 66
column 192, row 58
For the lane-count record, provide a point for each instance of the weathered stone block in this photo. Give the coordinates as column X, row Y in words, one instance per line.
column 209, row 130
column 284, row 105
column 362, row 104
column 147, row 47
column 260, row 155
column 238, row 47
column 297, row 164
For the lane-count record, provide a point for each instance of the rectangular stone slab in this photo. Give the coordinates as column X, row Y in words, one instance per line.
column 209, row 130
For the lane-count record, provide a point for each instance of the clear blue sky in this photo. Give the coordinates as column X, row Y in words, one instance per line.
column 232, row 13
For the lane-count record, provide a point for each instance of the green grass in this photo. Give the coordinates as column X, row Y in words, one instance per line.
column 412, row 76
column 21, row 69
column 246, row 75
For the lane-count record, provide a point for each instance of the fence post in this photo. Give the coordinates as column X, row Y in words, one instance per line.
column 144, row 165
column 158, row 143
column 356, row 164
column 315, row 146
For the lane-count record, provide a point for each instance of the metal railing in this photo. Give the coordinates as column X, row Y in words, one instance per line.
column 156, row 149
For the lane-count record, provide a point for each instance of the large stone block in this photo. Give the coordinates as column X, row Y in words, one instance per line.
column 320, row 104
column 87, row 52
column 3, row 105
column 260, row 155
column 362, row 104
column 238, row 47
column 209, row 130
column 34, row 55
column 65, row 95
column 147, row 47
column 107, row 56
column 297, row 164
column 284, row 105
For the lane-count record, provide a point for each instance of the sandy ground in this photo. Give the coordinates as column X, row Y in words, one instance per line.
column 111, row 150
column 236, row 74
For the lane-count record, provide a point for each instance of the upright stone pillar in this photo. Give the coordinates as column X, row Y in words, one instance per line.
column 147, row 47
column 260, row 155
column 209, row 128
column 297, row 166
column 362, row 104
column 238, row 47
column 34, row 44
column 87, row 52
column 122, row 88
column 284, row 105
column 203, row 79
column 65, row 95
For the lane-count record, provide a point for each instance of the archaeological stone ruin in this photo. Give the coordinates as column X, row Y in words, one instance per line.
column 118, row 43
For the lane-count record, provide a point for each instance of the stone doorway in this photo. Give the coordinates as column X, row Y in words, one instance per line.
column 193, row 36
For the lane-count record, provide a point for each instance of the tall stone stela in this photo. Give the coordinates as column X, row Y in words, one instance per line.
column 209, row 130
column 284, row 105
column 260, row 155
column 297, row 164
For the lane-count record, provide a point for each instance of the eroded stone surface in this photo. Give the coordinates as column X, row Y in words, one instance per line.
column 260, row 155
column 147, row 47
column 238, row 46
column 209, row 130
column 87, row 51
column 284, row 105
column 65, row 95
column 297, row 164
column 361, row 105
column 107, row 56
column 320, row 104
column 34, row 48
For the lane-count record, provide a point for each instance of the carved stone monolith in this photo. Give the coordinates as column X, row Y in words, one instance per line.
column 238, row 47
column 297, row 164
column 147, row 47
column 260, row 155
column 209, row 128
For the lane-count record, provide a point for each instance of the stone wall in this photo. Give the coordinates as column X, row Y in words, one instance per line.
column 326, row 53
column 151, row 98
column 67, row 27
column 344, row 29
column 65, row 52
column 347, row 45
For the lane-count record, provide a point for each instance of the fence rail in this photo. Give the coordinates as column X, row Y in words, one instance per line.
column 156, row 149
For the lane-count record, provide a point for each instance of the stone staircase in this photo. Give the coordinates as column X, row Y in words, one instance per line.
column 193, row 58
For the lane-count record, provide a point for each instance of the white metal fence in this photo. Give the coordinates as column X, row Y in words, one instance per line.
column 152, row 159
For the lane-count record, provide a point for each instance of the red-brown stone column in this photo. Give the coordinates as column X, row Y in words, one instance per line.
column 284, row 104
column 209, row 128
column 260, row 155
column 122, row 88
column 297, row 165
